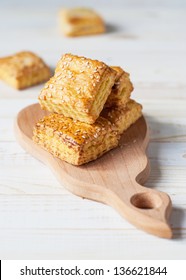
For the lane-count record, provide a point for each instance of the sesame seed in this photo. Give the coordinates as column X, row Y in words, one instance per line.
column 66, row 98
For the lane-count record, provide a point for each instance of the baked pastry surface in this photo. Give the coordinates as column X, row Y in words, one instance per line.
column 80, row 21
column 79, row 143
column 24, row 69
column 121, row 90
column 122, row 118
column 78, row 89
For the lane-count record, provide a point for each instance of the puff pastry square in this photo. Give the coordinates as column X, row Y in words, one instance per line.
column 24, row 69
column 73, row 141
column 122, row 118
column 78, row 89
column 80, row 21
column 121, row 90
column 78, row 143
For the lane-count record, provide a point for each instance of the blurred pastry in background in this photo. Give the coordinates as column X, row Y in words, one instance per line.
column 23, row 69
column 80, row 21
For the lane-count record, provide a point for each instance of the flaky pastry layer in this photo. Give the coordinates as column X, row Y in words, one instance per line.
column 121, row 91
column 80, row 21
column 121, row 117
column 78, row 89
column 78, row 143
column 24, row 69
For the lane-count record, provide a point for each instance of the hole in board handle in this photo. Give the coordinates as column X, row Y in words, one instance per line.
column 146, row 200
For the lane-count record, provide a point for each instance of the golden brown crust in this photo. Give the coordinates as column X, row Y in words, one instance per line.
column 121, row 117
column 23, row 70
column 80, row 21
column 73, row 141
column 121, row 90
column 78, row 89
column 77, row 142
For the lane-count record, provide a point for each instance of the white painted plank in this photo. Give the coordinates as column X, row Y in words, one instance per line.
column 66, row 211
column 88, row 244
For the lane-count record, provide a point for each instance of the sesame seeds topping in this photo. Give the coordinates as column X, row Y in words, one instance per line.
column 73, row 87
column 66, row 98
column 42, row 95
column 58, row 78
column 96, row 70
column 65, row 63
column 101, row 66
column 49, row 94
column 70, row 59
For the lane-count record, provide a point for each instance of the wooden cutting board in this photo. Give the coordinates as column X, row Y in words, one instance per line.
column 114, row 179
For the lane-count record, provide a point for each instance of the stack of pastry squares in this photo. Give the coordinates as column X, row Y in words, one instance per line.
column 90, row 108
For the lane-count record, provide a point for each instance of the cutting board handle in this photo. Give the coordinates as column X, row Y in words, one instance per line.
column 146, row 208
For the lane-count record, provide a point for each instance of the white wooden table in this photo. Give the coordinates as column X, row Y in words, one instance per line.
column 39, row 218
